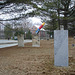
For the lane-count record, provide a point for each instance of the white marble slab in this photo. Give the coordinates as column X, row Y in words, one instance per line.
column 61, row 47
column 20, row 40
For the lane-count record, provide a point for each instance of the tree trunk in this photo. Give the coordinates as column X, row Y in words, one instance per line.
column 65, row 25
column 58, row 14
column 65, row 21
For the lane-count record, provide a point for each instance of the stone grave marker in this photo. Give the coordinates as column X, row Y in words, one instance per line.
column 36, row 40
column 61, row 48
column 21, row 41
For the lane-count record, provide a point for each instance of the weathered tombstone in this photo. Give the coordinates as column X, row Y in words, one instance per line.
column 35, row 40
column 61, row 27
column 36, row 37
column 21, row 40
column 61, row 47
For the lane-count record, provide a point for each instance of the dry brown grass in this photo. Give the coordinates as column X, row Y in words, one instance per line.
column 30, row 60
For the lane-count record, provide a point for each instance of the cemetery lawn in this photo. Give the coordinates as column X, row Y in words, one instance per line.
column 30, row 60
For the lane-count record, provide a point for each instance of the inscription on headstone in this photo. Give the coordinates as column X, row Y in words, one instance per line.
column 61, row 47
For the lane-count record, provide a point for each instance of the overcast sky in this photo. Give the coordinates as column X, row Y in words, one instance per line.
column 9, row 12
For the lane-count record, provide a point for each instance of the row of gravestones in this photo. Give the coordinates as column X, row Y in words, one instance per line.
column 60, row 46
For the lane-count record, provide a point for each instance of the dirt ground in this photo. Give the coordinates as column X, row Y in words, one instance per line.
column 30, row 60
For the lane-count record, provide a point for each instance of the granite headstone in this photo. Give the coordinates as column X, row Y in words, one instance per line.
column 61, row 48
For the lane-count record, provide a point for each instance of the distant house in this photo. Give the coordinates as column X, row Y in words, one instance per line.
column 43, row 33
column 33, row 29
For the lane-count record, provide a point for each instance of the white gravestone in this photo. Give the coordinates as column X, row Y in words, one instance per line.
column 36, row 40
column 61, row 48
column 21, row 41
